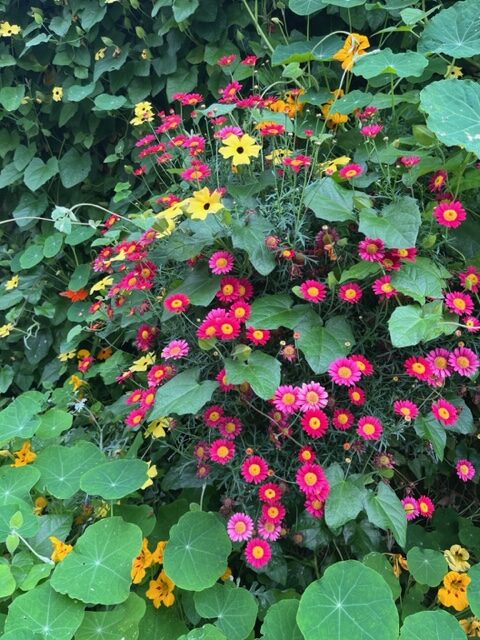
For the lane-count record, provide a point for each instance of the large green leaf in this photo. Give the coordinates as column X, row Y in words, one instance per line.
column 306, row 50
column 61, row 467
column 402, row 65
column 322, row 345
column 349, row 601
column 183, row 394
column 43, row 611
column 427, row 566
column 97, row 571
column 250, row 235
column 207, row 632
column 453, row 110
column 114, row 479
column 234, row 608
column 355, row 99
column 473, row 590
column 454, row 31
column 305, row 7
column 379, row 563
column 432, row 625
column 54, row 524
column 199, row 286
column 360, row 271
column 74, row 167
column 280, row 622
column 38, row 172
column 329, row 201
column 273, row 311
column 15, row 484
column 197, row 552
column 53, row 422
column 117, row 623
column 385, row 510
column 11, row 97
column 261, row 371
column 412, row 324
column 430, row 429
column 161, row 624
column 344, row 503
column 7, row 581
column 421, row 279
column 397, row 225
column 27, row 523
column 19, row 419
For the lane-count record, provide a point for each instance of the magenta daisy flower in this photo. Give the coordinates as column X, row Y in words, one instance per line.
column 383, row 287
column 222, row 451
column 177, row 302
column 269, row 530
column 344, row 371
column 357, row 396
column 274, row 512
column 221, row 262
column 286, row 399
column 175, row 350
column 258, row 553
column 313, row 290
column 241, row 310
column 418, row 368
column 135, row 396
column 406, row 408
column 465, row 470
column 145, row 337
column 445, row 412
column 213, row 415
column 438, row 360
column 472, row 324
column 254, row 469
column 350, row 292
column 135, row 418
column 201, row 450
column 450, row 214
column 464, row 361
column 425, row 506
column 343, row 419
column 315, row 423
column 411, row 507
column 438, row 181
column 369, row 428
column 410, row 161
column 270, row 493
column 459, row 303
column 314, row 506
column 371, row 130
column 148, row 398
column 351, row 171
column 258, row 336
column 312, row 395
column 230, row 427
column 306, row 454
column 371, row 249
column 240, row 527
column 470, row 279
column 363, row 363
column 312, row 480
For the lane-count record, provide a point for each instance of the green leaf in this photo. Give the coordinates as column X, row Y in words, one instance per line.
column 15, row 484
column 45, row 612
column 432, row 625
column 421, row 279
column 261, row 371
column 106, row 102
column 19, row 419
column 234, row 608
column 183, row 9
column 379, row 563
column 347, row 4
column 305, row 7
column 32, row 256
column 114, row 479
column 161, row 624
column 273, row 311
column 120, row 622
column 199, row 286
column 344, row 503
column 9, row 175
column 92, row 14
column 6, row 377
column 207, row 632
column 11, row 97
column 56, row 524
column 385, row 510
column 74, row 167
column 403, row 65
column 323, row 345
column 329, row 201
column 183, row 395
column 355, row 99
column 77, row 93
column 97, row 571
column 53, row 423
column 52, row 245
column 250, row 235
column 397, row 225
column 280, row 622
column 306, row 51
column 473, row 590
column 430, row 429
column 454, row 31
column 36, row 573
column 427, row 566
column 412, row 324
column 360, row 271
column 453, row 110
column 38, row 173
column 349, row 601
column 7, row 581
column 62, row 467
column 197, row 552
column 79, row 277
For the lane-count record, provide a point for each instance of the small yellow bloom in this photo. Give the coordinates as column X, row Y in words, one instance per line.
column 76, row 382
column 227, row 575
column 146, row 55
column 7, row 29
column 60, row 549
column 143, row 561
column 143, row 363
column 160, row 590
column 66, row 355
column 204, row 202
column 157, row 427
column 151, row 473
column 12, row 283
column 330, row 167
column 240, row 149
column 457, row 558
column 6, row 329
column 277, row 155
column 157, row 555
column 100, row 54
column 57, row 94
column 83, row 353
column 105, row 353
column 399, row 564
column 333, row 119
column 40, row 504
column 354, row 46
column 25, row 455
column 174, row 211
column 101, row 284
column 471, row 627
column 453, row 71
column 143, row 113
column 454, row 590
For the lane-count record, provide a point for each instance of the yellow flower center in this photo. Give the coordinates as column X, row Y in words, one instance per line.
column 444, row 413
column 221, row 262
column 418, row 367
column 344, row 372
column 222, row 451
column 450, row 214
column 258, row 334
column 313, row 291
column 310, row 478
column 342, row 418
column 240, row 527
column 288, row 398
column 254, row 469
column 463, row 362
column 459, row 304
column 258, row 552
column 368, row 428
column 440, row 362
column 350, row 294
column 314, row 423
column 227, row 289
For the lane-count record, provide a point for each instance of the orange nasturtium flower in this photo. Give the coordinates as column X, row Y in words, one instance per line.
column 160, row 590
column 60, row 549
column 454, row 590
column 353, row 47
column 24, row 456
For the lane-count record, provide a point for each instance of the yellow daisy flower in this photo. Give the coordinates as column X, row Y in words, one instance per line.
column 204, row 202
column 240, row 149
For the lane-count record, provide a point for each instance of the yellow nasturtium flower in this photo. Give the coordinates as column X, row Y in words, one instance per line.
column 457, row 558
column 454, row 590
column 142, row 364
column 12, row 283
column 160, row 590
column 60, row 549
column 353, row 47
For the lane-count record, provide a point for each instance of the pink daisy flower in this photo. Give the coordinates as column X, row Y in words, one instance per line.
column 198, row 171
column 445, row 412
column 425, row 507
column 203, row 470
column 438, row 360
column 228, row 328
column 351, row 171
column 201, row 450
column 418, row 368
column 221, row 378
column 371, row 130
column 250, row 60
column 312, row 480
column 367, row 113
column 297, row 162
column 245, row 288
column 226, row 60
column 241, row 310
column 213, row 415
column 160, row 373
column 175, row 350
column 314, row 506
column 343, row 419
column 222, row 451
column 313, row 290
column 254, row 469
column 350, row 292
column 135, row 418
column 240, row 527
column 365, row 366
column 369, row 428
column 229, row 289
column 315, row 423
column 357, row 396
column 371, row 249
column 286, row 399
column 258, row 553
column 312, row 395
column 450, row 214
column 269, row 530
column 306, row 454
column 464, row 361
column 470, row 279
column 411, row 507
column 410, row 161
column 465, row 470
column 459, row 303
column 409, row 254
column 438, row 181
column 383, row 287
column 177, row 302
column 145, row 337
column 135, row 396
column 270, row 493
column 229, row 130
column 407, row 409
column 148, row 399
column 274, row 512
column 344, row 371
column 289, row 353
column 221, row 262
column 258, row 336
column 472, row 324
column 230, row 427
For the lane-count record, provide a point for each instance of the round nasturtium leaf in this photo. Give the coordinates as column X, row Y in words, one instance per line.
column 280, row 622
column 7, row 581
column 431, row 625
column 427, row 566
column 120, row 622
column 97, row 571
column 207, row 632
column 349, row 601
column 17, row 519
column 45, row 612
column 196, row 554
column 473, row 590
column 114, row 479
column 235, row 609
